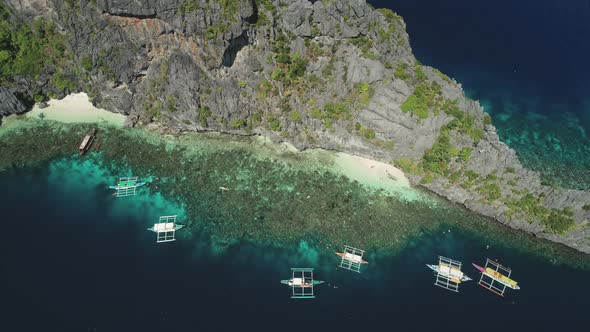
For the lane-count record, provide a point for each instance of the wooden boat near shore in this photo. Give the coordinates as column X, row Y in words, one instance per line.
column 87, row 141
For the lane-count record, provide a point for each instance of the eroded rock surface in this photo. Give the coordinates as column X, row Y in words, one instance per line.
column 232, row 67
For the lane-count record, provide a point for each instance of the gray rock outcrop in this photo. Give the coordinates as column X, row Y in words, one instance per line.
column 10, row 104
column 233, row 67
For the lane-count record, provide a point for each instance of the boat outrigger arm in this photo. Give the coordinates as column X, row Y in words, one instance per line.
column 126, row 186
column 495, row 277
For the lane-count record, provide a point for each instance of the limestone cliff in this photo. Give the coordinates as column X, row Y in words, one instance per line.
column 336, row 74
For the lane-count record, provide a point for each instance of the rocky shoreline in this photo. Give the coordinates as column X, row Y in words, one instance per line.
column 337, row 74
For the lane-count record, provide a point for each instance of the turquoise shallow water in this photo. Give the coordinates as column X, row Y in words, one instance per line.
column 549, row 136
column 82, row 260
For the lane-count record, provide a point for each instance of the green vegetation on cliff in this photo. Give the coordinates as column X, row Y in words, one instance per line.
column 365, row 45
column 409, row 166
column 391, row 17
column 556, row 221
column 559, row 222
column 464, row 123
column 437, row 158
column 28, row 50
column 289, row 67
column 290, row 89
column 425, row 97
column 401, row 71
column 361, row 95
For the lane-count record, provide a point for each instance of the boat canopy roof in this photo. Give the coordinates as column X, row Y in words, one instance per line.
column 164, row 227
column 297, row 281
column 127, row 181
column 126, row 186
column 450, row 271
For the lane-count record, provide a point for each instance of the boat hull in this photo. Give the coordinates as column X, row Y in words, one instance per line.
column 362, row 261
column 436, row 270
column 176, row 227
column 138, row 184
column 497, row 277
column 87, row 142
column 479, row 268
column 289, row 282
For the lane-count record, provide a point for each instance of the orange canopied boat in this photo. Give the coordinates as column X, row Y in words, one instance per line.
column 351, row 257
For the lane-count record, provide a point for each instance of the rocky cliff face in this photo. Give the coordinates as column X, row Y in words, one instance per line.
column 10, row 103
column 335, row 74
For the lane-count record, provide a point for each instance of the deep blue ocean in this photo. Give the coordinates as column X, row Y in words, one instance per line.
column 526, row 62
column 74, row 258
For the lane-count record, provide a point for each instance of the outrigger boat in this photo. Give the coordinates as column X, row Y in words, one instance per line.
column 448, row 273
column 166, row 229
column 126, row 186
column 302, row 283
column 493, row 280
column 352, row 258
column 87, row 141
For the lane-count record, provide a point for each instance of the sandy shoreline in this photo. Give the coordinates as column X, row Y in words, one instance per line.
column 376, row 175
column 372, row 174
column 75, row 108
column 370, row 171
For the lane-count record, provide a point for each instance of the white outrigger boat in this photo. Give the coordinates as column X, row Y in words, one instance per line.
column 302, row 283
column 166, row 229
column 448, row 273
column 352, row 258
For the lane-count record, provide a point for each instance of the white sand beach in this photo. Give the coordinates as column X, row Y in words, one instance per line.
column 377, row 175
column 76, row 108
column 371, row 172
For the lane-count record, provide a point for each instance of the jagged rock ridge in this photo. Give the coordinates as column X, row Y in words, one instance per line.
column 334, row 74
